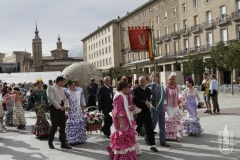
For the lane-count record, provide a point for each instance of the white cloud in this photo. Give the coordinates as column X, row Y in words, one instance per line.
column 72, row 19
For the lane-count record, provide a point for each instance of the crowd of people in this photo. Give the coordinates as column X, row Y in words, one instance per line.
column 147, row 104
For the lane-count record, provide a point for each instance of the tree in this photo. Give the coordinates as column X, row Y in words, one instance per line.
column 194, row 65
column 18, row 67
column 226, row 56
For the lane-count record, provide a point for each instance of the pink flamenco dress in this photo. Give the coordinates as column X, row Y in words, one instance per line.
column 123, row 143
column 173, row 126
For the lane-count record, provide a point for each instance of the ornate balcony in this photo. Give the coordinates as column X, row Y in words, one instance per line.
column 158, row 40
column 175, row 35
column 183, row 52
column 208, row 24
column 196, row 28
column 236, row 15
column 184, row 32
column 224, row 19
column 127, row 49
column 171, row 54
column 166, row 37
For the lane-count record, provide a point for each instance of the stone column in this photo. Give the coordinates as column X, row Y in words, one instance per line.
column 173, row 67
column 164, row 68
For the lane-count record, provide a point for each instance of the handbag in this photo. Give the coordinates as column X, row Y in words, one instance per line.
column 203, row 87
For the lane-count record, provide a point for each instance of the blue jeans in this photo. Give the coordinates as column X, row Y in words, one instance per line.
column 159, row 117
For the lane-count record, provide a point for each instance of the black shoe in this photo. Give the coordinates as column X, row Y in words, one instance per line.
column 165, row 144
column 154, row 149
column 50, row 145
column 206, row 111
column 210, row 112
column 19, row 127
column 65, row 146
column 146, row 140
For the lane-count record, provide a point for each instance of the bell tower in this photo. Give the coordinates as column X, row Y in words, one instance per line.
column 37, row 51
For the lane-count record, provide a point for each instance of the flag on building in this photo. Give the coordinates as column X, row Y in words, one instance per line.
column 152, row 50
column 138, row 38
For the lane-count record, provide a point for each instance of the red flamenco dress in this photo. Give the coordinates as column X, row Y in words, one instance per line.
column 123, row 142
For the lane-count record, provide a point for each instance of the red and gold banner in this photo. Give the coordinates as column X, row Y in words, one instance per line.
column 139, row 38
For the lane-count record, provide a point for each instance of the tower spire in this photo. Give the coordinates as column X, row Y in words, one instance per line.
column 59, row 39
column 36, row 33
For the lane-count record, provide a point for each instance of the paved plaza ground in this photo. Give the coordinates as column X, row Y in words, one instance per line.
column 22, row 145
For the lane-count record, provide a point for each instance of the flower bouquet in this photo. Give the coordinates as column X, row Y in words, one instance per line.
column 93, row 121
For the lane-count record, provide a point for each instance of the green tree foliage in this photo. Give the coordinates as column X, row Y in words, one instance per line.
column 227, row 56
column 117, row 73
column 194, row 65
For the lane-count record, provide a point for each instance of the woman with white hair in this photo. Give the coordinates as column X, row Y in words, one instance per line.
column 174, row 127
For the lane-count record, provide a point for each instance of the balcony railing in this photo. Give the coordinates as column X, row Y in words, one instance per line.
column 175, row 35
column 223, row 19
column 208, row 24
column 183, row 52
column 127, row 49
column 184, row 32
column 166, row 37
column 196, row 28
column 158, row 40
column 171, row 54
column 236, row 15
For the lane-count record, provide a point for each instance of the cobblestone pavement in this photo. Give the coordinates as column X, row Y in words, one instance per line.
column 22, row 145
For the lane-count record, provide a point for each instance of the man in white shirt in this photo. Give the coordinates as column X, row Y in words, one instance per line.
column 77, row 82
column 59, row 104
column 214, row 94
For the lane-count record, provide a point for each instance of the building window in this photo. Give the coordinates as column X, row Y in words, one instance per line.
column 184, row 8
column 102, row 42
column 99, row 43
column 195, row 3
column 107, row 62
column 103, row 62
column 208, row 1
column 109, row 49
column 105, row 40
column 158, row 33
column 185, row 24
column 132, row 20
column 157, row 6
column 109, row 39
column 97, row 64
column 103, row 51
column 176, row 47
column 100, row 52
column 165, row 15
column 144, row 23
column 108, row 29
column 175, row 27
column 137, row 16
column 150, row 9
column 97, row 53
column 224, row 35
column 196, row 22
column 185, row 44
column 106, row 50
column 167, row 48
column 144, row 13
column 174, row 12
column 166, row 30
column 110, row 61
column 164, row 2
column 100, row 63
column 157, row 19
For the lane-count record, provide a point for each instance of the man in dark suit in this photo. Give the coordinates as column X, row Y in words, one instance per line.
column 92, row 92
column 105, row 103
column 142, row 100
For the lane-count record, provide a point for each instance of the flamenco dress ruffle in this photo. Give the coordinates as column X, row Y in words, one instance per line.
column 173, row 126
column 192, row 125
column 123, row 145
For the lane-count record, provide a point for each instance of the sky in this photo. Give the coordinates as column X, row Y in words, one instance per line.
column 71, row 19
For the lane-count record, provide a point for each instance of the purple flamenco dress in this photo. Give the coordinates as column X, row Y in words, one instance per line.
column 191, row 121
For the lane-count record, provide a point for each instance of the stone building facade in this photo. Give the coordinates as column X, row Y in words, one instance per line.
column 102, row 47
column 181, row 27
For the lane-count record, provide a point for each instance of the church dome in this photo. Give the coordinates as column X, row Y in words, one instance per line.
column 84, row 72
